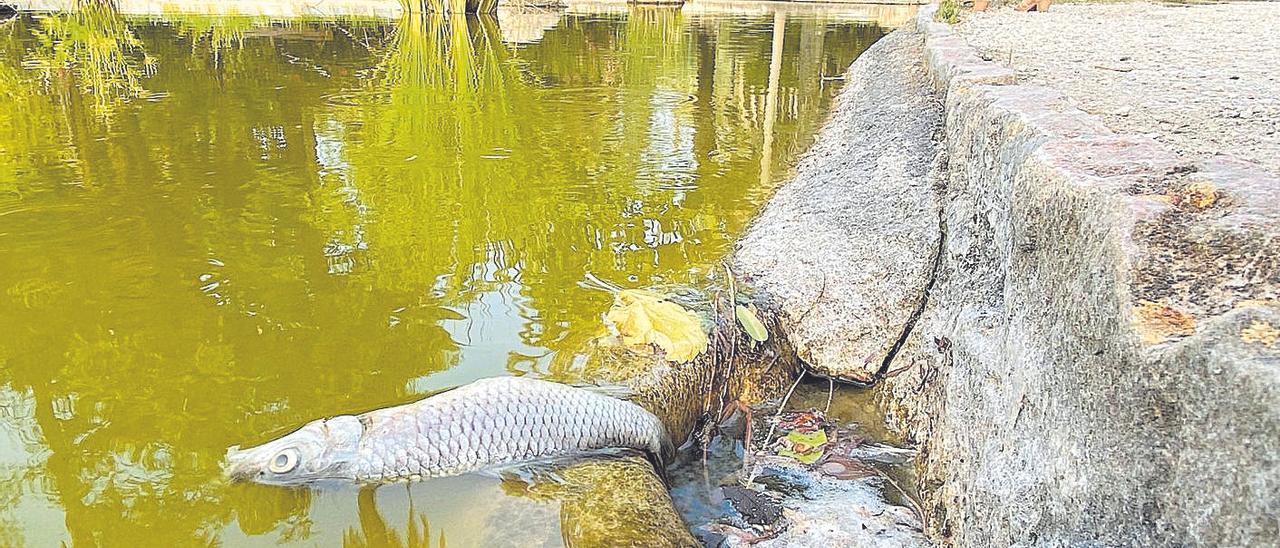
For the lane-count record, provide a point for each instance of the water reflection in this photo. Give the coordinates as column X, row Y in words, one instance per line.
column 212, row 230
column 104, row 58
column 374, row 530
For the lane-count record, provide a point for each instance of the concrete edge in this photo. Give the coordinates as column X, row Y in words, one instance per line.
column 1194, row 400
column 1070, row 145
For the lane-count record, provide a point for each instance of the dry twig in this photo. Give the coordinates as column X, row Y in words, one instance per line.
column 831, row 390
column 773, row 425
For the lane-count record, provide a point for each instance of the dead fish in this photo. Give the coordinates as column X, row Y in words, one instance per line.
column 489, row 423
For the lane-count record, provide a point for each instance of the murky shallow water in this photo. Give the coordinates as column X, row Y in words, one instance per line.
column 215, row 229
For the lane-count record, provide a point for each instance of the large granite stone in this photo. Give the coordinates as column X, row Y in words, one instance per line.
column 845, row 249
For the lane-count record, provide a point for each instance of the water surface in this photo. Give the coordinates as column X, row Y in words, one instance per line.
column 213, row 230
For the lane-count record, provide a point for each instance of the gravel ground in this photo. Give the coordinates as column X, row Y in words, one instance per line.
column 1203, row 79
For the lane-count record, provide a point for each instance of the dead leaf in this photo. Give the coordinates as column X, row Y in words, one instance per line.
column 806, row 447
column 1260, row 332
column 756, row 507
column 644, row 318
column 804, row 421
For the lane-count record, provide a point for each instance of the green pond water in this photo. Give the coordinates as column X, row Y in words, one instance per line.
column 213, row 230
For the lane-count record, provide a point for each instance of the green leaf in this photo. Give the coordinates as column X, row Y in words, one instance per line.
column 806, row 447
column 751, row 324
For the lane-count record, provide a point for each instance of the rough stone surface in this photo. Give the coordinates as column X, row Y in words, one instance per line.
column 1096, row 363
column 831, row 512
column 1202, row 80
column 844, row 250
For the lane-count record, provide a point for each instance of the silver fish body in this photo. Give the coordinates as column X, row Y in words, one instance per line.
column 487, row 423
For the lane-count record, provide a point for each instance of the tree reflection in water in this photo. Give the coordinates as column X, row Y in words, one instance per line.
column 213, row 230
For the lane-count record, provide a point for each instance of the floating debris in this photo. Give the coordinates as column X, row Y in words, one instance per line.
column 845, row 468
column 647, row 318
column 756, row 507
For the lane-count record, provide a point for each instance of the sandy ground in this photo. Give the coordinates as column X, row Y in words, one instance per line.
column 1202, row 79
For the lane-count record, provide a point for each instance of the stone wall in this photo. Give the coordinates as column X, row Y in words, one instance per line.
column 1093, row 356
column 1096, row 361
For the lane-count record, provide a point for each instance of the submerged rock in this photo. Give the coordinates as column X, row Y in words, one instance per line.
column 833, row 512
column 604, row 502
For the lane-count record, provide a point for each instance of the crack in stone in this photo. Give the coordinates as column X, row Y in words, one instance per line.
column 910, row 324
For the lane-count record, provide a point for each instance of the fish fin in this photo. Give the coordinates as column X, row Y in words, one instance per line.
column 529, row 473
column 615, row 391
column 547, row 469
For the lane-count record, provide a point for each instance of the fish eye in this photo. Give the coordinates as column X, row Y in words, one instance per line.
column 284, row 461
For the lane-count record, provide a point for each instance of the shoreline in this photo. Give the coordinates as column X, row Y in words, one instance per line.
column 895, row 12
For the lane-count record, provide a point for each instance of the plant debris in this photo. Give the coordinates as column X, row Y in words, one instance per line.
column 751, row 516
column 813, row 471
column 806, row 447
column 645, row 318
column 845, row 468
column 757, row 508
column 751, row 324
column 805, row 436
column 1260, row 332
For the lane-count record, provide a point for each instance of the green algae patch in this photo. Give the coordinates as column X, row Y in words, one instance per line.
column 613, row 502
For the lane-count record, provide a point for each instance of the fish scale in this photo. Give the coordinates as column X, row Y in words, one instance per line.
column 499, row 421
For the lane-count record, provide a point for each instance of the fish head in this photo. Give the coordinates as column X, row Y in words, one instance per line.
column 324, row 449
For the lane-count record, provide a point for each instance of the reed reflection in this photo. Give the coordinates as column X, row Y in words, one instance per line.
column 98, row 50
